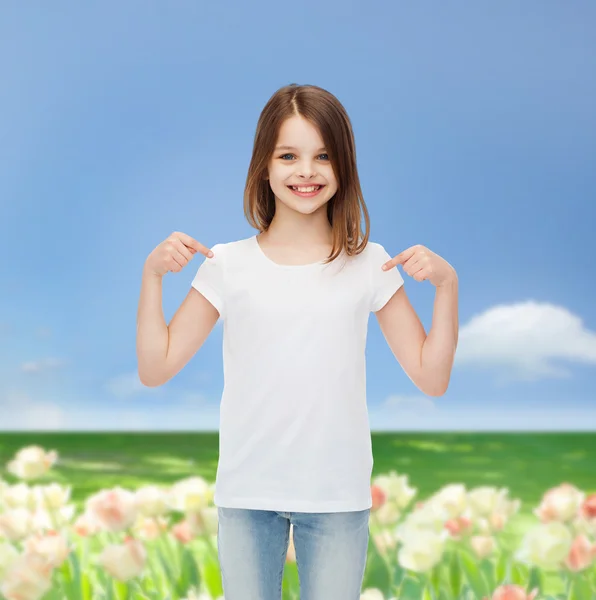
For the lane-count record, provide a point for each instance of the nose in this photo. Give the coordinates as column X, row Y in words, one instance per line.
column 306, row 169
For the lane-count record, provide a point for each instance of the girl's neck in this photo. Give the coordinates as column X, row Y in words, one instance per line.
column 294, row 237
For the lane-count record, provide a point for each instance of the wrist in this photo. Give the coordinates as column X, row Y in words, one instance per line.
column 148, row 272
column 449, row 281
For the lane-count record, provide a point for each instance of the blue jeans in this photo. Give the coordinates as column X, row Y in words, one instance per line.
column 331, row 551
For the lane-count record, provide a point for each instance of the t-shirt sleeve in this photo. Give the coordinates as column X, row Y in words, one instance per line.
column 209, row 279
column 383, row 283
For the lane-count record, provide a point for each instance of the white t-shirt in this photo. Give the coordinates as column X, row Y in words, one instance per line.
column 294, row 429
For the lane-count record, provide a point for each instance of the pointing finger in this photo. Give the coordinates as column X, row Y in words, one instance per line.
column 401, row 258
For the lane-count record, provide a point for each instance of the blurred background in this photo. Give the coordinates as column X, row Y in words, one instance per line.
column 476, row 136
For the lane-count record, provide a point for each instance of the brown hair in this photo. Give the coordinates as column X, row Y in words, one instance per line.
column 323, row 110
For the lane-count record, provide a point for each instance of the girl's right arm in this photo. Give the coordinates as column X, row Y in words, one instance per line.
column 163, row 350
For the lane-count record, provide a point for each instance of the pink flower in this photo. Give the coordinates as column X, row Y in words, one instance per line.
column 512, row 592
column 560, row 503
column 458, row 527
column 588, row 508
column 379, row 497
column 115, row 509
column 183, row 532
column 581, row 555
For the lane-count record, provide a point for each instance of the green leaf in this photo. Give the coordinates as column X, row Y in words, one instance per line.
column 290, row 582
column 520, row 574
column 212, row 576
column 488, row 571
column 427, row 594
column 474, row 575
column 501, row 569
column 444, row 594
column 535, row 580
column 189, row 573
column 455, row 574
column 411, row 588
column 121, row 590
column 376, row 572
column 435, row 579
column 580, row 589
column 86, row 589
column 398, row 574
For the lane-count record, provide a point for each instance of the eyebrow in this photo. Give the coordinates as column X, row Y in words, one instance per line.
column 292, row 148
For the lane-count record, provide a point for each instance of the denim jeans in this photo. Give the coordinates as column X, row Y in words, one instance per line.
column 331, row 551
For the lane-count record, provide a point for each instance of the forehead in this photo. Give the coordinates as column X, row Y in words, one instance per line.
column 298, row 132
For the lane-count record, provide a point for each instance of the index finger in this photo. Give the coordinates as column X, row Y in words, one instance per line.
column 192, row 244
column 400, row 258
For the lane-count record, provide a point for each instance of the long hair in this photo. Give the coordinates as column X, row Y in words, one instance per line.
column 324, row 111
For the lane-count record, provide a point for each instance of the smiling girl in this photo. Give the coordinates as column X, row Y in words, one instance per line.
column 295, row 300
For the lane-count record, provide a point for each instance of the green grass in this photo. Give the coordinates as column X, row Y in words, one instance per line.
column 527, row 463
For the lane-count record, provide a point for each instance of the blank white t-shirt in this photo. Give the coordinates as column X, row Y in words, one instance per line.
column 294, row 433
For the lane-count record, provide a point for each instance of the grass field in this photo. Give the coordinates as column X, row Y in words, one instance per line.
column 526, row 463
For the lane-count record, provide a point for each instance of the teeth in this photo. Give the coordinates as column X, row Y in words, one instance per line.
column 312, row 188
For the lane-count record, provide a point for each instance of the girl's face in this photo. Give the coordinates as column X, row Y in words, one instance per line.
column 303, row 164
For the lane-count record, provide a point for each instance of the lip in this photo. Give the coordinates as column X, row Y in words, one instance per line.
column 303, row 184
column 307, row 194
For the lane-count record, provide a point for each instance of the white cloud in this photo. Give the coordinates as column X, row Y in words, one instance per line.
column 128, row 384
column 22, row 413
column 45, row 364
column 526, row 341
column 398, row 413
column 419, row 413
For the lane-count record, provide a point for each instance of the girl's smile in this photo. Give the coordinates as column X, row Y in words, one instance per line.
column 309, row 194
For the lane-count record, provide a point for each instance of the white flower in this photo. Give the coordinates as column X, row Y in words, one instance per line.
column 203, row 522
column 55, row 519
column 52, row 546
column 8, row 554
column 396, row 488
column 15, row 524
column 386, row 514
column 52, row 496
column 19, row 495
column 151, row 501
column 422, row 551
column 486, row 499
column 149, row 528
column 546, row 546
column 87, row 524
column 29, row 577
column 452, row 499
column 32, row 462
column 483, row 545
column 190, row 495
column 124, row 561
column 560, row 503
column 429, row 517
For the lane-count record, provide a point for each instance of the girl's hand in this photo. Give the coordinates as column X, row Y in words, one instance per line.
column 421, row 263
column 174, row 253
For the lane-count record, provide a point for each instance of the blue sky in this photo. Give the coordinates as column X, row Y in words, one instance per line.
column 475, row 133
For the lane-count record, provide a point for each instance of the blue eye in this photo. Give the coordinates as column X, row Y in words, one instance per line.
column 289, row 154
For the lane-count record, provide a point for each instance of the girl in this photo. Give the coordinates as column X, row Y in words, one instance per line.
column 295, row 446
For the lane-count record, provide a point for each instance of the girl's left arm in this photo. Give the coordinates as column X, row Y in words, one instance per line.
column 426, row 359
